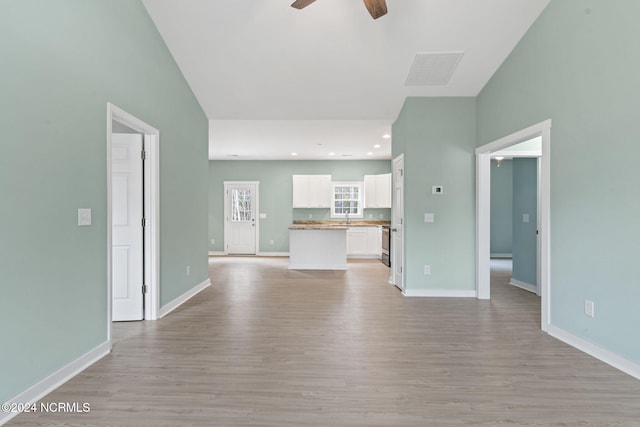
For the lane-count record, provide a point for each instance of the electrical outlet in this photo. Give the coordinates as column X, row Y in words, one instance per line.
column 381, row 216
column 213, row 241
column 525, row 217
column 310, row 216
column 427, row 270
column 271, row 242
column 188, row 270
column 428, row 217
column 589, row 308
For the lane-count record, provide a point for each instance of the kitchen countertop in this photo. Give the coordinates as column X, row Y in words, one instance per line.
column 334, row 225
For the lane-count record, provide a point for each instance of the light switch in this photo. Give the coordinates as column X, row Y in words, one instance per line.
column 525, row 217
column 428, row 217
column 84, row 216
column 263, row 216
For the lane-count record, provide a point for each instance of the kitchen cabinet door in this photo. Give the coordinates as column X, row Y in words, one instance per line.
column 383, row 190
column 357, row 241
column 311, row 191
column 370, row 196
column 374, row 241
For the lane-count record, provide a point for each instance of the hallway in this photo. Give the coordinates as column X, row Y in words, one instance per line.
column 265, row 346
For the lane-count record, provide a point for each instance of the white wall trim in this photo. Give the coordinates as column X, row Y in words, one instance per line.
column 483, row 209
column 440, row 293
column 152, row 211
column 168, row 308
column 499, row 255
column 612, row 359
column 369, row 256
column 318, row 267
column 225, row 204
column 56, row 379
column 271, row 254
column 217, row 253
column 523, row 285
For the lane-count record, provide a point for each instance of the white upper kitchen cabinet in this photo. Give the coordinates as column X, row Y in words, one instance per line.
column 311, row 191
column 377, row 191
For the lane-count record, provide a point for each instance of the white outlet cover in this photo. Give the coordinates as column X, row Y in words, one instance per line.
column 427, row 270
column 525, row 217
column 84, row 216
column 429, row 217
column 263, row 216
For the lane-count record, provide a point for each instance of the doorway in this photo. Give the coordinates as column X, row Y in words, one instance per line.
column 483, row 212
column 132, row 218
column 397, row 223
column 241, row 228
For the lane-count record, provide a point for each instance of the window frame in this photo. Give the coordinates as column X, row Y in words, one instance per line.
column 360, row 200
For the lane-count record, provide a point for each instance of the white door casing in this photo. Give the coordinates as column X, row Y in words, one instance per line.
column 483, row 213
column 151, row 214
column 397, row 223
column 241, row 217
column 127, row 231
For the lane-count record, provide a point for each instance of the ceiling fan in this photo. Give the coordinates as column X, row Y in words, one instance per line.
column 376, row 8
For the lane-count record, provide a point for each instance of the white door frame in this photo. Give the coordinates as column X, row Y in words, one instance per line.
column 394, row 207
column 226, row 211
column 152, row 211
column 483, row 212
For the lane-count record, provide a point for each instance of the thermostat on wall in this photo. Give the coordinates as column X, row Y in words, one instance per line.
column 437, row 189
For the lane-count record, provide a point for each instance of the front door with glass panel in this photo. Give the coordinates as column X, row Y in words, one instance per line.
column 240, row 217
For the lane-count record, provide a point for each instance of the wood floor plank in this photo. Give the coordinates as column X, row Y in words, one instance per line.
column 266, row 346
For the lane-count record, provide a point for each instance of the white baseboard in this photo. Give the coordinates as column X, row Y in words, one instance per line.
column 523, row 285
column 168, row 308
column 216, row 253
column 318, row 267
column 499, row 255
column 371, row 256
column 439, row 293
column 55, row 380
column 282, row 254
column 596, row 351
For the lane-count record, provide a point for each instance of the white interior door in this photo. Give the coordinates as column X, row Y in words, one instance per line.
column 127, row 249
column 397, row 222
column 241, row 207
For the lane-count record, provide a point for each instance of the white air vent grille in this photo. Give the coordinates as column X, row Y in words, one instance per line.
column 433, row 68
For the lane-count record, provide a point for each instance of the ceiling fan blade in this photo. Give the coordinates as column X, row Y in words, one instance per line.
column 301, row 4
column 376, row 8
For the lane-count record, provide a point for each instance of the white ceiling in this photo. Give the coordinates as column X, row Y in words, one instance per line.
column 272, row 78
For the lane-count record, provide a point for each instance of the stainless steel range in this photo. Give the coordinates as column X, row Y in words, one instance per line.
column 386, row 246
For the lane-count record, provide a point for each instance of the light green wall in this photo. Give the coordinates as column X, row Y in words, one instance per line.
column 62, row 61
column 578, row 65
column 501, row 207
column 438, row 139
column 525, row 201
column 276, row 189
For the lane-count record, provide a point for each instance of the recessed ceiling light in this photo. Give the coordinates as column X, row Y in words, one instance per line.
column 386, row 136
column 376, row 146
column 369, row 153
column 332, row 153
column 294, row 154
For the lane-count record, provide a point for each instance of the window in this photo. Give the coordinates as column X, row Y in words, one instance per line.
column 240, row 205
column 347, row 200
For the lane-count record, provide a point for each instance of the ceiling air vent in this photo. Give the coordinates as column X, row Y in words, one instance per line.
column 433, row 68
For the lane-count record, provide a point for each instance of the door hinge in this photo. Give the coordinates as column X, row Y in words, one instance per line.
column 401, row 172
column 143, row 155
column 400, row 269
column 144, row 289
column 144, row 222
column 401, row 219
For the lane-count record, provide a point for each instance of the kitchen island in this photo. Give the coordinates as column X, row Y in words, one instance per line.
column 317, row 247
column 325, row 245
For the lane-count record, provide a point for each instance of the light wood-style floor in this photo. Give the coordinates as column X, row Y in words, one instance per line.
column 264, row 346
